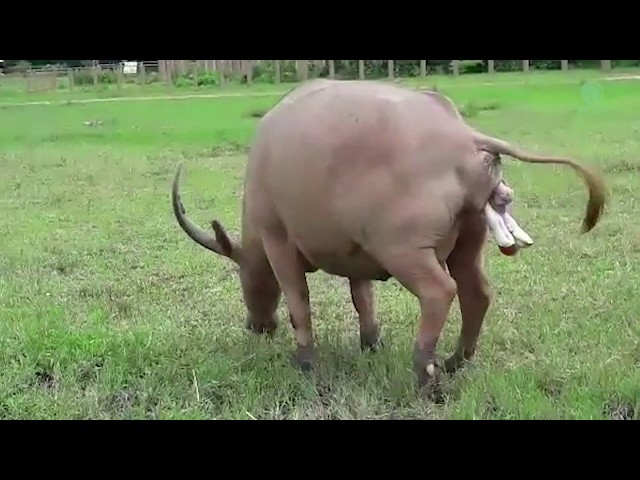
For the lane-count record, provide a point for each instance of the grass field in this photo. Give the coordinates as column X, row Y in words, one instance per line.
column 109, row 311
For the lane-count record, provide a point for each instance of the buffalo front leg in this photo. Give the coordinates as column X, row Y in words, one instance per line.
column 466, row 265
column 363, row 301
column 293, row 282
column 261, row 294
column 420, row 272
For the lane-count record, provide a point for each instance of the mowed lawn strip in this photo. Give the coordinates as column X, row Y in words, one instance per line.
column 110, row 311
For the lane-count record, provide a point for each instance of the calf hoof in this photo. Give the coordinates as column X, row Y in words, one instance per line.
column 371, row 340
column 305, row 357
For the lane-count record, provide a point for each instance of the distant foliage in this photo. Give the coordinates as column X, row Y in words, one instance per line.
column 85, row 77
column 265, row 71
column 348, row 69
column 199, row 79
column 110, row 77
column 152, row 77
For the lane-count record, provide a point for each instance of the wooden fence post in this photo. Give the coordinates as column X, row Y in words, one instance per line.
column 361, row 69
column 423, row 68
column 195, row 68
column 142, row 73
column 332, row 69
column 71, row 78
column 390, row 69
column 525, row 66
column 455, row 66
column 491, row 66
column 564, row 65
column 605, row 65
column 119, row 73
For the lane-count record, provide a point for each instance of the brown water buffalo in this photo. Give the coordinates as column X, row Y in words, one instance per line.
column 370, row 181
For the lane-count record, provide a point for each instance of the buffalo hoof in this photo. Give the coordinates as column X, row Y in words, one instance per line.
column 305, row 357
column 371, row 341
column 454, row 363
column 457, row 361
column 430, row 385
column 433, row 393
column 429, row 374
column 261, row 327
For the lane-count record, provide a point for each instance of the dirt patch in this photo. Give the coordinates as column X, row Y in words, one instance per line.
column 63, row 266
column 226, row 149
column 622, row 166
column 492, row 409
column 88, row 371
column 550, row 386
column 44, row 378
column 620, row 410
column 256, row 113
column 122, row 401
column 117, row 299
column 471, row 109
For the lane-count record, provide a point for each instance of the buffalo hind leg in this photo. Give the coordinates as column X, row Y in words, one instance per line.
column 420, row 272
column 363, row 301
column 466, row 265
column 291, row 276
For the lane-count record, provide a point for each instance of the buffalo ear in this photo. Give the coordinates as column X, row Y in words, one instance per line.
column 228, row 247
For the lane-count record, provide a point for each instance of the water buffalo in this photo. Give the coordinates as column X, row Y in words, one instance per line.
column 368, row 181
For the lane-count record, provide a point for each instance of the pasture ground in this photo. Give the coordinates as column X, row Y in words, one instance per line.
column 109, row 311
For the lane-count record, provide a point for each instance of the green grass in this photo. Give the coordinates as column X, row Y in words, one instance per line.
column 13, row 91
column 109, row 311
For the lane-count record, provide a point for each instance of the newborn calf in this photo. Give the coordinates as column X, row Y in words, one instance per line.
column 507, row 233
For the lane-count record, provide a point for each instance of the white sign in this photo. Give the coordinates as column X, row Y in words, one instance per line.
column 129, row 68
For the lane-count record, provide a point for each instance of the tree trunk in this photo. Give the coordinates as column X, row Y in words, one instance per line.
column 276, row 68
column 303, row 70
column 249, row 71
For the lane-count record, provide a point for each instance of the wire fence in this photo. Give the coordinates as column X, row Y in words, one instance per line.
column 196, row 73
